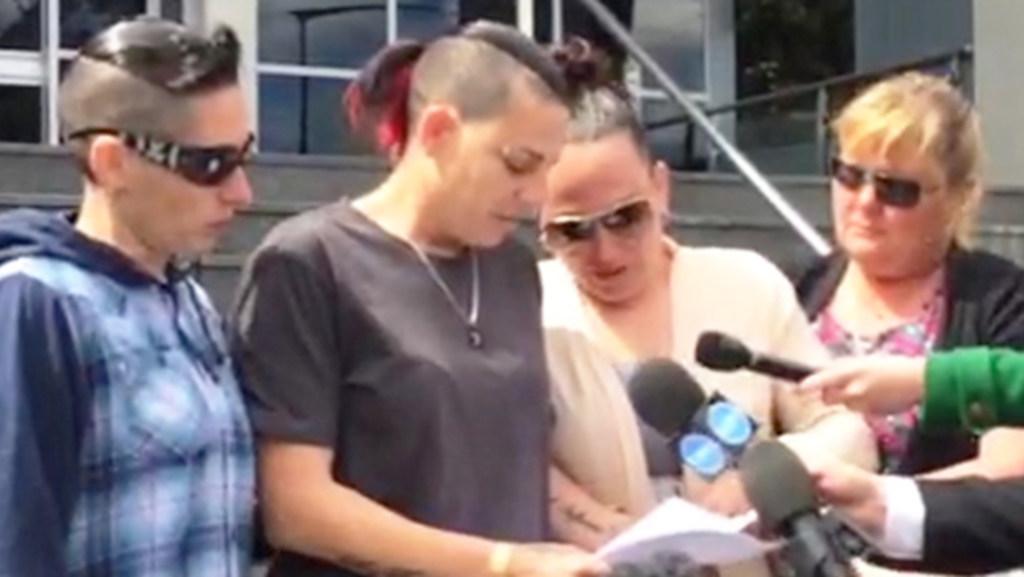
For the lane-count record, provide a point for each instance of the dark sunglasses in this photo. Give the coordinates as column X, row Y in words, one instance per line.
column 889, row 190
column 622, row 220
column 202, row 165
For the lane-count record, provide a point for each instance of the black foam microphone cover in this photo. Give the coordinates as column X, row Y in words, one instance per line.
column 781, row 491
column 665, row 396
column 660, row 564
column 721, row 352
column 777, row 484
column 724, row 353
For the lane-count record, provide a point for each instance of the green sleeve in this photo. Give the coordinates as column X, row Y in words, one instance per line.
column 975, row 388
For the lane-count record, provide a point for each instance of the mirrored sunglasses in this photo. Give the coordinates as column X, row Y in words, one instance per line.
column 623, row 220
column 202, row 165
column 889, row 190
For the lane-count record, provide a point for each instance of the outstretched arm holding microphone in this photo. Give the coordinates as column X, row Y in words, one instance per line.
column 977, row 387
column 964, row 525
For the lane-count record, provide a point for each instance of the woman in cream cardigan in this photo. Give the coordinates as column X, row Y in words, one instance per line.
column 621, row 291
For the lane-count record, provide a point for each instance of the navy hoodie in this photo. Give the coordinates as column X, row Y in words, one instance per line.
column 44, row 392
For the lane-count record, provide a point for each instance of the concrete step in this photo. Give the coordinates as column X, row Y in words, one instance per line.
column 709, row 209
column 278, row 178
column 729, row 196
column 249, row 228
column 275, row 178
column 220, row 271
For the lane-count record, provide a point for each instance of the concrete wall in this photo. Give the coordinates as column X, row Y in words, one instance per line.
column 999, row 86
column 241, row 16
column 893, row 31
column 709, row 209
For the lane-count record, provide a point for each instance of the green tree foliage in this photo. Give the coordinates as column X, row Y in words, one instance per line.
column 781, row 43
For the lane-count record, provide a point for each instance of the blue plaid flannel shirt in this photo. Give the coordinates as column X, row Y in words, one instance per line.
column 166, row 477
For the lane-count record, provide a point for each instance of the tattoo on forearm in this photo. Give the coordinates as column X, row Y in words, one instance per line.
column 374, row 569
column 577, row 516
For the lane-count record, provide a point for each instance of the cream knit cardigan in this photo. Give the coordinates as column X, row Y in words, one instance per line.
column 596, row 441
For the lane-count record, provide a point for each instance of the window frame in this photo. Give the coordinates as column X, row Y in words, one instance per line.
column 41, row 68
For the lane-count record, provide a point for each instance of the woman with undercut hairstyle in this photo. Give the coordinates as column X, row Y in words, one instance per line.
column 392, row 344
column 125, row 449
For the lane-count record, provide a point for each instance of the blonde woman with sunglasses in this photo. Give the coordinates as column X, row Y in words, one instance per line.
column 906, row 185
column 621, row 292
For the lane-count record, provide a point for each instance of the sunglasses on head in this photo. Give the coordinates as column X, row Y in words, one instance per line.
column 621, row 220
column 889, row 190
column 202, row 165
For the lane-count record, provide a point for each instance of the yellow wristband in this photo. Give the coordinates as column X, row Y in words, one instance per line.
column 500, row 559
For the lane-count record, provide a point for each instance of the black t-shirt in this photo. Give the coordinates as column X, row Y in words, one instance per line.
column 347, row 342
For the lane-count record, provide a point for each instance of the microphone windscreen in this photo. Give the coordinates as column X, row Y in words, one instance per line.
column 665, row 396
column 721, row 352
column 777, row 484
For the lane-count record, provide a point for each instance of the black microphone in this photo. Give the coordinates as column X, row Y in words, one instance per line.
column 781, row 491
column 665, row 396
column 706, row 434
column 721, row 352
column 659, row 564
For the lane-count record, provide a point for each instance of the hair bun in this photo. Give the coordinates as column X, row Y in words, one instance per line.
column 376, row 103
column 585, row 67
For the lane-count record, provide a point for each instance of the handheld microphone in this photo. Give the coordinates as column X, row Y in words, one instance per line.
column 706, row 434
column 721, row 352
column 659, row 564
column 782, row 493
column 665, row 396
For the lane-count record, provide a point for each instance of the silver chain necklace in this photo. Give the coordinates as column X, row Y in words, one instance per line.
column 473, row 335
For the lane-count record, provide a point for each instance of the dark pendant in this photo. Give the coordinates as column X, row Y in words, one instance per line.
column 476, row 338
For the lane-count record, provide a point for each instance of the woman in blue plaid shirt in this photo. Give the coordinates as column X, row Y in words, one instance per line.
column 124, row 446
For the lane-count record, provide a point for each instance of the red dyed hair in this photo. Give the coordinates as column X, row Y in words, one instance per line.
column 377, row 102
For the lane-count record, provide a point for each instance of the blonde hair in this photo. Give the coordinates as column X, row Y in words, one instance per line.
column 926, row 115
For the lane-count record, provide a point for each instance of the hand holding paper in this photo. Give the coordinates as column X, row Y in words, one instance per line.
column 678, row 526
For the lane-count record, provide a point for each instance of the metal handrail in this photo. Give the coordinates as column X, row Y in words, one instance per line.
column 824, row 102
column 802, row 227
column 957, row 56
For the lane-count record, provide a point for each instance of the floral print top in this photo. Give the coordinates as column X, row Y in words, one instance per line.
column 914, row 338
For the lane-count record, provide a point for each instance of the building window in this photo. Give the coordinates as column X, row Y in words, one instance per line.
column 81, row 19
column 333, row 34
column 20, row 120
column 427, row 19
column 304, row 115
column 310, row 51
column 29, row 79
column 20, row 25
column 674, row 33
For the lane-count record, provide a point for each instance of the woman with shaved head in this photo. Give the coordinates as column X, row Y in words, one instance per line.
column 125, row 450
column 392, row 345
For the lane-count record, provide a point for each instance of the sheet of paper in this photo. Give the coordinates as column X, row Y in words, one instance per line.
column 678, row 526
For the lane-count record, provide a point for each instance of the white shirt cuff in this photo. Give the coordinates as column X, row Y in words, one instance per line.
column 903, row 536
